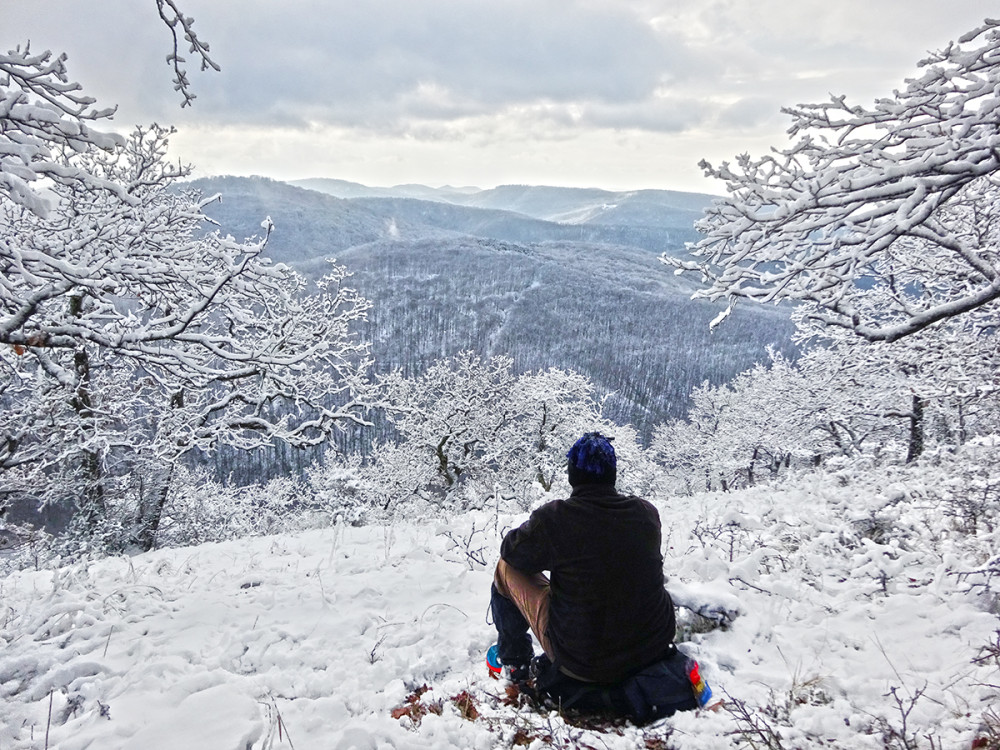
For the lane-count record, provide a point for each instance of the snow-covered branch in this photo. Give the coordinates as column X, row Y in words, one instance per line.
column 42, row 116
column 182, row 29
column 883, row 218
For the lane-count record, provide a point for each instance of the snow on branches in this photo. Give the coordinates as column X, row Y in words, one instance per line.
column 44, row 119
column 129, row 335
column 882, row 221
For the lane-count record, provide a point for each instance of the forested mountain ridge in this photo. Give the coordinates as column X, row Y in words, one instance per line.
column 666, row 217
column 669, row 208
column 446, row 278
column 606, row 312
column 313, row 223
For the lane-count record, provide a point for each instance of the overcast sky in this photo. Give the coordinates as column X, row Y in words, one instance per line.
column 620, row 94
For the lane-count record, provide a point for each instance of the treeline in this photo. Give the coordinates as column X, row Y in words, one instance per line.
column 608, row 313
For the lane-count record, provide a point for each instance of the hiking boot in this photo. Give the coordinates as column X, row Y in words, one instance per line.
column 515, row 671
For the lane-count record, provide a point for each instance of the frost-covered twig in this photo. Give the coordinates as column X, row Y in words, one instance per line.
column 48, row 723
column 373, row 654
column 900, row 735
column 108, row 642
column 751, row 726
column 473, row 546
column 749, row 585
column 981, row 579
column 182, row 27
column 276, row 726
column 442, row 604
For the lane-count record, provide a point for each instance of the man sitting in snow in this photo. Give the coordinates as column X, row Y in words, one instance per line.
column 603, row 617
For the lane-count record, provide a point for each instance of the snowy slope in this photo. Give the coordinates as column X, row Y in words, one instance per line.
column 837, row 634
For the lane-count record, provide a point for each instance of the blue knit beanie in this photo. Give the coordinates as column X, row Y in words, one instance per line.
column 592, row 461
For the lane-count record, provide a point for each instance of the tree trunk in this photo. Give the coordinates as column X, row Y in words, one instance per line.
column 151, row 505
column 91, row 504
column 961, row 423
column 916, row 430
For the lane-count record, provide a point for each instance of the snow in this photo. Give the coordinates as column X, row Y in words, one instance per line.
column 313, row 639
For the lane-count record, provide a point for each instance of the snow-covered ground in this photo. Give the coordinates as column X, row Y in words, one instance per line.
column 846, row 628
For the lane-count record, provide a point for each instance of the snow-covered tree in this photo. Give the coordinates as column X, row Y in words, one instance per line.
column 737, row 432
column 880, row 220
column 553, row 409
column 452, row 412
column 843, row 397
column 779, row 415
column 128, row 335
column 470, row 432
column 942, row 380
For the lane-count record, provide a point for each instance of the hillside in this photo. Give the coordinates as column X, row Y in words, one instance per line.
column 654, row 219
column 347, row 189
column 668, row 208
column 446, row 278
column 311, row 223
column 802, row 604
column 609, row 313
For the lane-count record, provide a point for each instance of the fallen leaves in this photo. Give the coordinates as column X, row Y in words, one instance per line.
column 415, row 708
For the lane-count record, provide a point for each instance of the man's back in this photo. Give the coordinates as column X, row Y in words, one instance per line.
column 609, row 612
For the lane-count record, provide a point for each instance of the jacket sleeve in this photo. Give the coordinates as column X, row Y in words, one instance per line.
column 528, row 548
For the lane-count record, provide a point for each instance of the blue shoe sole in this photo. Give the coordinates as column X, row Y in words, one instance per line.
column 493, row 661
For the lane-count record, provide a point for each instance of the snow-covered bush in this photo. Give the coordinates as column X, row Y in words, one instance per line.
column 336, row 488
column 471, row 434
column 200, row 509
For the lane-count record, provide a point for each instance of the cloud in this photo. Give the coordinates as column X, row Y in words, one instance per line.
column 545, row 83
column 392, row 65
column 366, row 64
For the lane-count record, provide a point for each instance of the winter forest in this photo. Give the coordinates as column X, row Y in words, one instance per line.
column 259, row 442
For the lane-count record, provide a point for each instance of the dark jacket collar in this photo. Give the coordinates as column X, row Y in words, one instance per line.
column 584, row 491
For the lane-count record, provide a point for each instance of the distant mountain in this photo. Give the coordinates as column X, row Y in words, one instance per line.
column 588, row 296
column 337, row 223
column 308, row 224
column 345, row 189
column 659, row 209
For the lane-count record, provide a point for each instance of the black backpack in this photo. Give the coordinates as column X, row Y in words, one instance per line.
column 669, row 685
